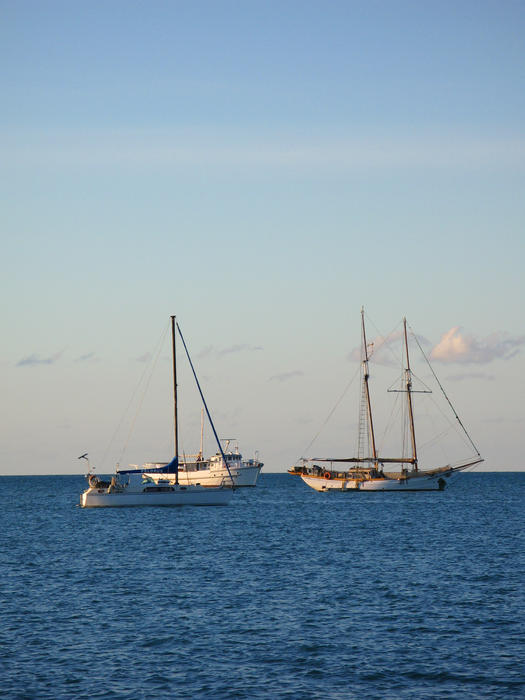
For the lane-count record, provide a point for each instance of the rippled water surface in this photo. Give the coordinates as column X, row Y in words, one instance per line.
column 285, row 593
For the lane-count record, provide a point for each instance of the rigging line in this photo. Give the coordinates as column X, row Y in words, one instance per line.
column 333, row 409
column 154, row 364
column 449, row 425
column 389, row 424
column 434, row 440
column 386, row 339
column 206, row 406
column 444, row 393
column 449, row 422
column 462, row 434
column 132, row 398
column 404, row 428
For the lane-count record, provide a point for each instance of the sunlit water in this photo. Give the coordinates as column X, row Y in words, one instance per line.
column 285, row 593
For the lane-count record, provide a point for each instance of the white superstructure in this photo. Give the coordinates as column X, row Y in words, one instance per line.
column 193, row 469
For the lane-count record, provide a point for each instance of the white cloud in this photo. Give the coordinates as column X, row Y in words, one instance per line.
column 470, row 375
column 285, row 376
column 379, row 348
column 35, row 359
column 146, row 357
column 86, row 357
column 205, row 352
column 384, row 350
column 210, row 350
column 238, row 348
column 460, row 347
column 257, row 148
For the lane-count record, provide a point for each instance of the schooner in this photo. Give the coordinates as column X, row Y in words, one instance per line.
column 374, row 471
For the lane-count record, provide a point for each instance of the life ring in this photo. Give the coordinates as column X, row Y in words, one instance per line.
column 327, row 475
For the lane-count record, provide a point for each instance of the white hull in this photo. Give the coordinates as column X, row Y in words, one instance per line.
column 419, row 483
column 242, row 476
column 247, row 476
column 179, row 496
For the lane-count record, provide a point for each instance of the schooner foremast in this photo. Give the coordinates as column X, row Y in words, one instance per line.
column 366, row 394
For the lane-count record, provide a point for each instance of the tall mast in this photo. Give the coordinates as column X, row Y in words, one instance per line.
column 367, row 391
column 202, row 433
column 175, row 423
column 408, row 381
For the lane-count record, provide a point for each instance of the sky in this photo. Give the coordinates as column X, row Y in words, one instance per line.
column 262, row 170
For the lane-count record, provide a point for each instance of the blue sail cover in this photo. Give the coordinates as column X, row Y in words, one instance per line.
column 171, row 468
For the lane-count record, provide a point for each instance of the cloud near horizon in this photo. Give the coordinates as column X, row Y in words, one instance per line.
column 238, row 348
column 86, row 357
column 197, row 147
column 470, row 375
column 210, row 350
column 460, row 347
column 35, row 359
column 285, row 376
column 146, row 357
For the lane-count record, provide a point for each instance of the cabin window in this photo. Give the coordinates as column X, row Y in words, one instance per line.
column 157, row 489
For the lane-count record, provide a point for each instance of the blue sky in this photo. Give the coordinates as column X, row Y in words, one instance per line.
column 262, row 170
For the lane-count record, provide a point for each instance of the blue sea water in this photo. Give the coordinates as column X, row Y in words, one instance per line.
column 285, row 593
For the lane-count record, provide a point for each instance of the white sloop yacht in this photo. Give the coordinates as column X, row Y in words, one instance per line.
column 160, row 485
column 140, row 489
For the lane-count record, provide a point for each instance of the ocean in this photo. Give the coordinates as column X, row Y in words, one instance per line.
column 285, row 593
